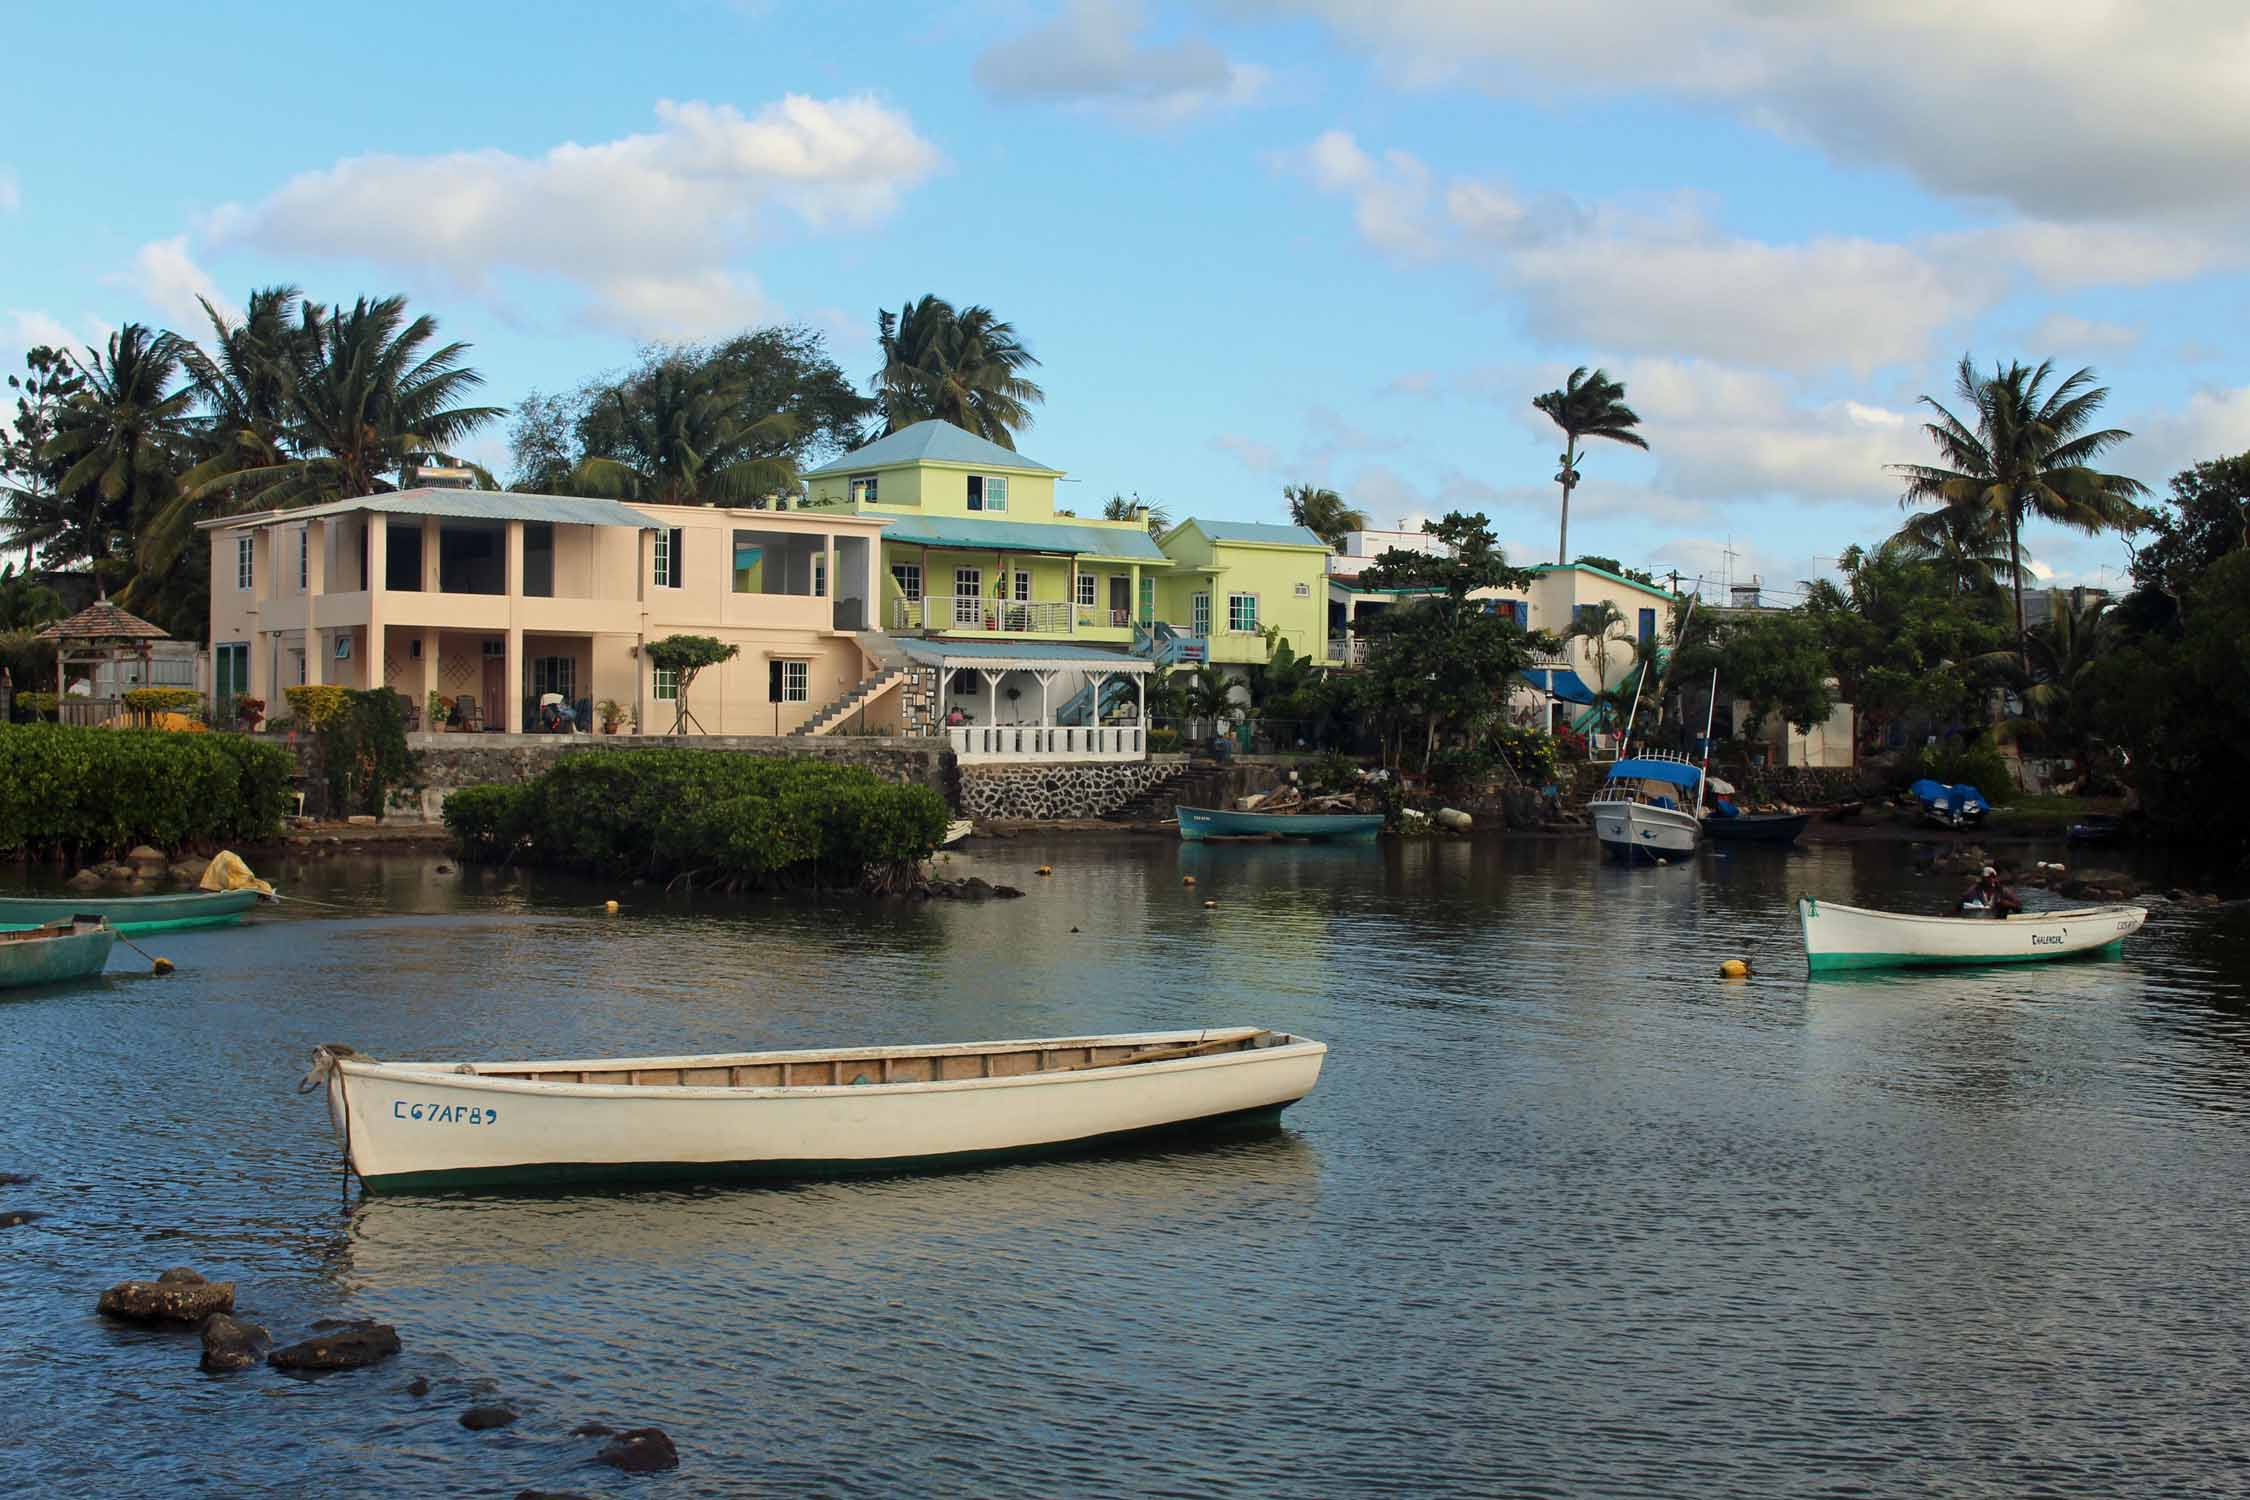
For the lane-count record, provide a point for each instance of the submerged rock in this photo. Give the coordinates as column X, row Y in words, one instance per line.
column 640, row 1450
column 15, row 1179
column 1006, row 892
column 177, row 1296
column 144, row 854
column 418, row 1386
column 16, row 1216
column 84, row 880
column 119, row 872
column 484, row 1418
column 593, row 1429
column 342, row 1349
column 231, row 1344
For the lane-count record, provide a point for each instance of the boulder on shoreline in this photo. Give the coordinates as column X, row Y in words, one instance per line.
column 640, row 1450
column 2097, row 885
column 84, row 880
column 231, row 1344
column 177, row 1296
column 485, row 1418
column 342, row 1349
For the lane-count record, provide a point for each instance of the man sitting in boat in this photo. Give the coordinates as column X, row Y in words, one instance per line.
column 1987, row 894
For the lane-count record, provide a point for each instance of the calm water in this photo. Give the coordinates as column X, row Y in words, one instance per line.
column 1566, row 1216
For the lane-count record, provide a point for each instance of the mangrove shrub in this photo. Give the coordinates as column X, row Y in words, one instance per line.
column 706, row 817
column 87, row 792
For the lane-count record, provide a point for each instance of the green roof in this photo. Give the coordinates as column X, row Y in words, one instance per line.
column 1264, row 532
column 975, row 535
column 934, row 443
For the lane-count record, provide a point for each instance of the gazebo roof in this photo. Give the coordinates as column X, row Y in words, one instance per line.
column 104, row 621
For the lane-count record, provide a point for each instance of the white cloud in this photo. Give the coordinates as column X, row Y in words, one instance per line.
column 2070, row 336
column 2078, row 111
column 1092, row 53
column 11, row 191
column 1390, row 194
column 649, row 224
column 2071, row 257
column 168, row 279
column 1258, row 457
column 24, row 330
column 1722, row 435
column 2214, row 423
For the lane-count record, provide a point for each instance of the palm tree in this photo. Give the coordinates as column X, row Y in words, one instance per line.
column 2029, row 453
column 122, row 435
column 1598, row 624
column 679, row 435
column 1323, row 513
column 1120, row 508
column 366, row 397
column 1969, row 546
column 1587, row 406
column 25, row 602
column 963, row 367
column 1210, row 696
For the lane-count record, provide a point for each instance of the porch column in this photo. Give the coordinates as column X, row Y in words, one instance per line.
column 828, row 567
column 512, row 674
column 1072, row 616
column 378, row 580
column 1095, row 681
column 430, row 674
column 1133, row 599
column 316, row 584
column 1046, row 716
column 1140, row 700
column 431, row 576
column 992, row 695
column 872, row 589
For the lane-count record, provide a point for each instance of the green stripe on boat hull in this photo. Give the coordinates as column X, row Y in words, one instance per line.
column 1829, row 963
column 131, row 915
column 535, row 1175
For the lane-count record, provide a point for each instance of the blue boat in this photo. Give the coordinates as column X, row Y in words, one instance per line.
column 1959, row 806
column 1199, row 823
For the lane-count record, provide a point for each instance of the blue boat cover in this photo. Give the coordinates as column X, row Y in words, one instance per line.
column 1562, row 682
column 1679, row 773
column 1961, row 798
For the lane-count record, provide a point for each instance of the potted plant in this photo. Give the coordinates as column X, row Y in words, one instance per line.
column 612, row 714
column 441, row 711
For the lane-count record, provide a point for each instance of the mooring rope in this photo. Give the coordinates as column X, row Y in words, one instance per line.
column 324, row 1059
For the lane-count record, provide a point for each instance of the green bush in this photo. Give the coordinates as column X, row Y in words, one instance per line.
column 163, row 700
column 363, row 750
column 87, row 792
column 1975, row 763
column 1331, row 771
column 1163, row 741
column 710, row 816
column 38, row 705
column 1463, row 768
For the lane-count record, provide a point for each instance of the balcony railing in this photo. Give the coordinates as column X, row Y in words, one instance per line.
column 975, row 743
column 1351, row 650
column 1552, row 659
column 958, row 614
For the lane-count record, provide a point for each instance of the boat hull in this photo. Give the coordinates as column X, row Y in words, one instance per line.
column 1637, row 833
column 1757, row 828
column 1198, row 823
column 53, row 960
column 131, row 915
column 422, row 1127
column 1849, row 937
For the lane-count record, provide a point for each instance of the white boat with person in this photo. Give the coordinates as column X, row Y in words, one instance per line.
column 423, row 1126
column 1854, row 937
column 1649, row 807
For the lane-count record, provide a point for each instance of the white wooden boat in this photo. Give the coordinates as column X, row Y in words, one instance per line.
column 418, row 1126
column 1853, row 937
column 957, row 830
column 1648, row 808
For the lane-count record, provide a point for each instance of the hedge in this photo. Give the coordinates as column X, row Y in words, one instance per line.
column 88, row 792
column 704, row 816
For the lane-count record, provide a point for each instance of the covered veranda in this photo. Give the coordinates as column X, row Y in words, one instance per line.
column 1035, row 700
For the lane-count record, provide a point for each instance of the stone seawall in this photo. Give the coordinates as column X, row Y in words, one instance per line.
column 451, row 761
column 1052, row 790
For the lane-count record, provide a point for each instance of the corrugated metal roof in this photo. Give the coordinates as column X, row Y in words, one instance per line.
column 1021, row 654
column 488, row 505
column 1257, row 531
column 932, row 442
column 977, row 535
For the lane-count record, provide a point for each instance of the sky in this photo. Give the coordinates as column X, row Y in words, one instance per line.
column 1252, row 242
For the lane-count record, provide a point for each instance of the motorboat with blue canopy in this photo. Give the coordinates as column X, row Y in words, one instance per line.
column 1649, row 807
column 1957, row 806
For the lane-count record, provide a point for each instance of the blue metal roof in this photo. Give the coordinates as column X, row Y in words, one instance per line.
column 1257, row 531
column 939, row 652
column 932, row 442
column 1677, row 772
column 1562, row 682
column 975, row 535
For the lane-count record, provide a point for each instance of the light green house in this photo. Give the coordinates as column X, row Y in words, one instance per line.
column 1232, row 581
column 976, row 548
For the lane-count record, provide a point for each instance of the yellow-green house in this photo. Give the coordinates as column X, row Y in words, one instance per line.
column 1233, row 581
column 975, row 548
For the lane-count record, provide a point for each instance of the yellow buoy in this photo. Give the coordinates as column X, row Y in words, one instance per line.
column 1187, row 880
column 1734, row 968
column 1046, row 869
column 161, row 966
column 1209, row 904
column 610, row 907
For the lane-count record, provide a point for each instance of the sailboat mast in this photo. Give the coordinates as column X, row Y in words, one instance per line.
column 1710, row 716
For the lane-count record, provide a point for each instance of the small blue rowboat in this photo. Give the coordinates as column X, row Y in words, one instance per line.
column 1199, row 823
column 70, row 949
column 131, row 915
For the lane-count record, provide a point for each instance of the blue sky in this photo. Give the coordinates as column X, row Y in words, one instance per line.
column 1252, row 241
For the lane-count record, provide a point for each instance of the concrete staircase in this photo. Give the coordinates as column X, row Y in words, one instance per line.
column 1197, row 786
column 891, row 665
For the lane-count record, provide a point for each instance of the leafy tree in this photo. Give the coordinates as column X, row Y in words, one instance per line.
column 1122, row 508
column 1587, row 406
column 1287, row 686
column 1903, row 640
column 1612, row 565
column 679, row 431
column 1599, row 625
column 965, row 367
column 542, row 443
column 2206, row 517
column 31, row 497
column 2024, row 451
column 1778, row 663
column 1209, row 695
column 1323, row 513
column 25, row 602
column 1971, row 546
column 687, row 655
column 122, row 434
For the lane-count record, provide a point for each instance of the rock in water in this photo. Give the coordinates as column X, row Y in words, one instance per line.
column 418, row 1386
column 593, row 1429
column 143, row 854
column 231, row 1344
column 84, row 880
column 344, row 1349
column 481, row 1418
column 640, row 1450
column 178, row 1296
column 16, row 1216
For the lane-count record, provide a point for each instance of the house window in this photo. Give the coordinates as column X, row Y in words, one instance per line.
column 796, row 681
column 863, row 489
column 968, row 596
column 1648, row 627
column 1304, row 591
column 304, row 558
column 1242, row 613
column 667, row 689
column 230, row 673
column 1023, row 587
column 909, row 577
column 1088, row 590
column 820, row 575
column 554, row 674
column 1583, row 614
column 245, row 561
column 671, row 562
column 1199, row 615
column 988, row 492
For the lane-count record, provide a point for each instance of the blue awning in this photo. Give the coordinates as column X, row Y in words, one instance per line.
column 1560, row 681
column 1677, row 772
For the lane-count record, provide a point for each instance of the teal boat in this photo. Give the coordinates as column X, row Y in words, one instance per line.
column 72, row 948
column 1199, row 823
column 130, row 915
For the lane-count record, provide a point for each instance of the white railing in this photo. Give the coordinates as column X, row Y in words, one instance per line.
column 962, row 613
column 1552, row 659
column 980, row 743
column 1351, row 650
